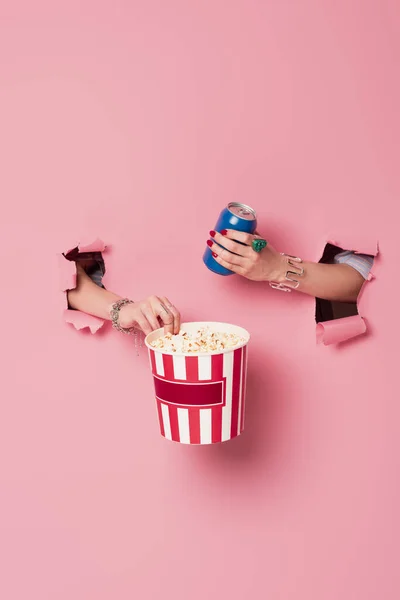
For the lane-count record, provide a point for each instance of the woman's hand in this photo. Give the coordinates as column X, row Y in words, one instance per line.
column 334, row 282
column 242, row 259
column 151, row 314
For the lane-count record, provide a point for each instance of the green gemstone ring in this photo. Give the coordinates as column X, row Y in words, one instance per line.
column 258, row 244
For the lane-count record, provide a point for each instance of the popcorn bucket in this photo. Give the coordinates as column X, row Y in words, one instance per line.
column 200, row 397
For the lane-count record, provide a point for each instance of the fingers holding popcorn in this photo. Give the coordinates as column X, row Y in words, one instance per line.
column 174, row 312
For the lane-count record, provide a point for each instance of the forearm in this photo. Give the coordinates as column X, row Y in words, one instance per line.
column 146, row 315
column 340, row 283
column 89, row 297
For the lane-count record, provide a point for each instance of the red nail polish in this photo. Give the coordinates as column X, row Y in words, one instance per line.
column 224, row 232
column 214, row 255
column 209, row 243
column 212, row 233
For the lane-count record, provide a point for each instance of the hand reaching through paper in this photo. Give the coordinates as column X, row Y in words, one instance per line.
column 341, row 281
column 146, row 315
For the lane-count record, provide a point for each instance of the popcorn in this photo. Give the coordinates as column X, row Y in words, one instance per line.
column 203, row 340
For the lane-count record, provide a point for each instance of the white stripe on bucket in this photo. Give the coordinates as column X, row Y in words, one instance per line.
column 227, row 409
column 205, row 425
column 179, row 367
column 159, row 363
column 167, row 425
column 183, row 423
column 204, row 365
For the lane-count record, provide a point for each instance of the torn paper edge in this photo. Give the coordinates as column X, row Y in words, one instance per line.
column 342, row 330
column 96, row 246
column 68, row 278
column 82, row 320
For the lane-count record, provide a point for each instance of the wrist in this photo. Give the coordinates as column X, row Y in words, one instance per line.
column 125, row 316
column 288, row 274
column 278, row 272
column 121, row 315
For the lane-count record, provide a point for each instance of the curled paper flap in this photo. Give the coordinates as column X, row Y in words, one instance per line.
column 67, row 273
column 340, row 330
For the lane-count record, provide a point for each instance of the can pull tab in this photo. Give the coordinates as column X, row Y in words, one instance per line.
column 244, row 212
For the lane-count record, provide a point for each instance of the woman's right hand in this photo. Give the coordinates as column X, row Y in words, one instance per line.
column 241, row 258
column 150, row 314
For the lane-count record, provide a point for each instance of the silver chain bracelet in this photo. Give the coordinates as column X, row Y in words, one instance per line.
column 114, row 314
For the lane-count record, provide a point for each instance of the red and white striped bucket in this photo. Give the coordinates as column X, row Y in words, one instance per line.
column 200, row 397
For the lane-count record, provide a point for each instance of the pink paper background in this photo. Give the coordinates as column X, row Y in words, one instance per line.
column 136, row 122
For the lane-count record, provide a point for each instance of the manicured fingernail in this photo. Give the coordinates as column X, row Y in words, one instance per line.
column 212, row 233
column 209, row 243
column 214, row 255
column 224, row 232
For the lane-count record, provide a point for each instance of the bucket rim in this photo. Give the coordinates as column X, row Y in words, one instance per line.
column 245, row 334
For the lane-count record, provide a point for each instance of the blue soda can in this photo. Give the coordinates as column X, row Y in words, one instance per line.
column 235, row 216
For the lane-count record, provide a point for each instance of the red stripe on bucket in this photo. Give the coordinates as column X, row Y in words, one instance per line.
column 216, row 425
column 153, row 362
column 237, row 375
column 194, row 425
column 192, row 368
column 217, row 368
column 160, row 418
column 173, row 421
column 168, row 362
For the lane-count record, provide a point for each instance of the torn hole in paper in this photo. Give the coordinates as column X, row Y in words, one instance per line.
column 90, row 257
column 341, row 321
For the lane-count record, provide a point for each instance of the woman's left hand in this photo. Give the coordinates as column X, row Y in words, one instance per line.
column 242, row 259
